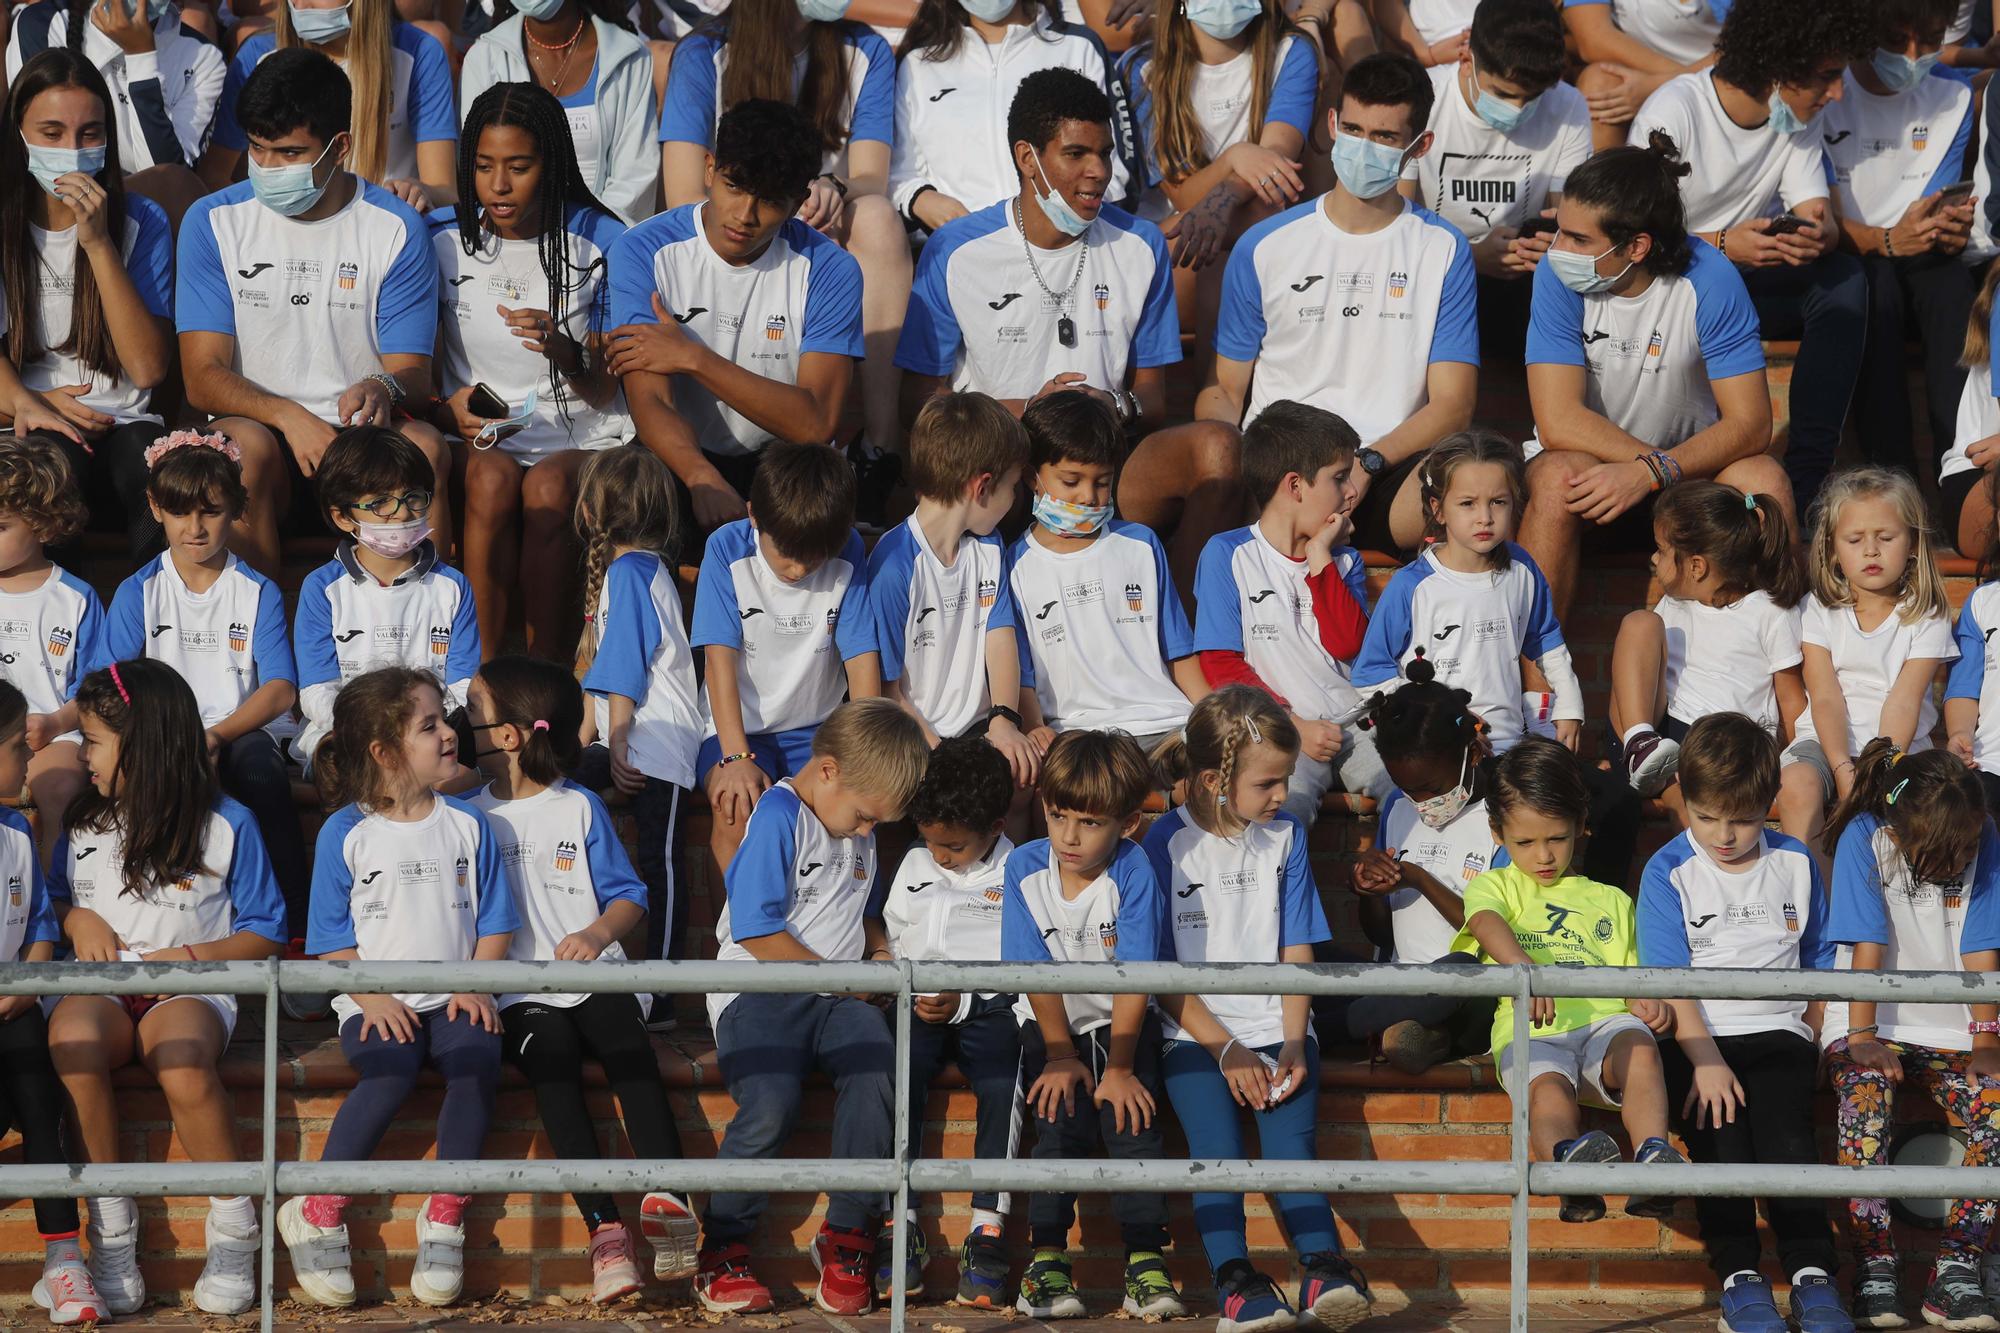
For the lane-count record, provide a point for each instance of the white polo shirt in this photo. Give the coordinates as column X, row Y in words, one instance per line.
column 1477, row 178
column 1868, row 662
column 1738, row 174
column 1454, row 856
column 1888, row 152
column 1251, row 598
column 226, row 643
column 1721, row 659
column 1118, row 915
column 931, row 620
column 25, row 914
column 643, row 654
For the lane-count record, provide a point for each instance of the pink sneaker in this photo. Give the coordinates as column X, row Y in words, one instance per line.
column 68, row 1294
column 614, row 1272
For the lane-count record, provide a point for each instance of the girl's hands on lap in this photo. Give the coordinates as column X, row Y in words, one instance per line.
column 1869, row 1053
column 388, row 1017
column 91, row 937
column 1248, row 1078
column 479, row 1008
column 1714, row 1097
column 1291, row 1074
column 1131, row 1105
column 1058, row 1085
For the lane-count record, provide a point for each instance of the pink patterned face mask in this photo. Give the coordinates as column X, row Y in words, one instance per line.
column 392, row 541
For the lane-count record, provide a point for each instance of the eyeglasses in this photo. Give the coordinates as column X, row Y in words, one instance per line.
column 392, row 506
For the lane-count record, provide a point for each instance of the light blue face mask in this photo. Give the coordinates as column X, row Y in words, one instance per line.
column 1783, row 119
column 987, row 11
column 493, row 432
column 46, row 164
column 537, row 10
column 1898, row 72
column 823, row 11
column 1498, row 112
column 315, row 26
column 1222, row 19
column 290, row 190
column 1067, row 518
column 1578, row 272
column 157, row 10
column 1056, row 208
column 1368, row 169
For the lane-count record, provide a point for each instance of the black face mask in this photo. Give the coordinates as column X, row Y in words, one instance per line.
column 461, row 724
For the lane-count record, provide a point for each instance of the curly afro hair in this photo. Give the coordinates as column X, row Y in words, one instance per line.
column 967, row 785
column 1766, row 42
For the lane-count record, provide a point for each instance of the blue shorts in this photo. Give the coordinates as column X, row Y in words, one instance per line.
column 778, row 753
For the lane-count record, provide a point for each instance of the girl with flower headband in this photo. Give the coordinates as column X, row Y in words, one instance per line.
column 221, row 625
column 578, row 897
column 1916, row 885
column 157, row 864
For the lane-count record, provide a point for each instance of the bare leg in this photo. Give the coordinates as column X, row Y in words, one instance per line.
column 549, row 601
column 427, row 438
column 1632, row 1070
column 876, row 239
column 1638, row 672
column 180, row 1041
column 1182, row 482
column 1975, row 522
column 1802, row 807
column 1603, row 134
column 1552, row 1114
column 89, row 1036
column 1762, row 474
column 490, row 553
column 255, row 539
column 1549, row 532
column 56, row 776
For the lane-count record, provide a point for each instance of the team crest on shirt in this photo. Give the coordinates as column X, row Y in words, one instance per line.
column 1655, row 345
column 461, row 868
column 1791, row 918
column 1399, row 282
column 1953, row 895
column 988, row 590
column 440, row 640
column 774, row 328
column 1919, row 136
column 1107, row 935
column 832, row 618
column 993, row 895
column 1604, row 930
column 14, row 893
column 239, row 636
column 59, row 641
column 1101, row 294
column 1475, row 866
column 565, row 855
column 346, row 275
column 861, row 867
column 185, row 884
column 1135, row 597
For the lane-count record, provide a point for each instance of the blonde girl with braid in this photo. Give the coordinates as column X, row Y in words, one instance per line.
column 645, row 722
column 1232, row 866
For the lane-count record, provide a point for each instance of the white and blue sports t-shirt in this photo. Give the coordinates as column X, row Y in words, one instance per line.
column 803, row 294
column 791, row 875
column 25, row 914
column 1684, row 31
column 693, row 101
column 231, row 891
column 225, row 643
column 793, row 640
column 564, row 865
column 347, row 624
column 1770, row 916
column 1099, row 629
column 1973, row 674
column 1221, row 97
column 1924, row 927
column 1454, row 856
column 979, row 318
column 1651, row 361
column 421, row 92
column 313, row 307
column 1251, row 598
column 643, row 654
column 1868, row 662
column 148, row 251
column 1118, row 915
column 931, row 620
column 50, row 638
column 1738, row 175
column 424, row 890
column 480, row 346
column 1350, row 323
column 929, row 912
column 1720, row 659
column 1477, row 178
column 1474, row 630
column 1235, row 900
column 1885, row 153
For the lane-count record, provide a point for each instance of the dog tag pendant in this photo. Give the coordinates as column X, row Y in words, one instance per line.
column 1066, row 331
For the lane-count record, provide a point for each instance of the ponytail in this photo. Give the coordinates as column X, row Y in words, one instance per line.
column 1931, row 802
column 543, row 701
column 1747, row 538
column 1637, row 192
column 1211, row 741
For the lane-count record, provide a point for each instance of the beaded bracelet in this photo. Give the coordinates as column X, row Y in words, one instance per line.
column 732, row 758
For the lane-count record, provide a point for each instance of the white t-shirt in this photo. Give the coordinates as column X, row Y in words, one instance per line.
column 226, row 643
column 480, row 347
column 1251, row 598
column 643, row 654
column 50, row 638
column 1454, row 856
column 1738, row 174
column 1221, row 97
column 929, row 912
column 1235, row 900
column 1868, row 663
column 1117, row 915
column 1098, row 629
column 1684, row 31
column 1978, row 415
column 1477, row 178
column 1973, row 675
column 1439, row 19
column 1720, row 659
column 1888, row 152
column 980, row 317
column 1345, row 322
column 25, row 915
column 931, row 620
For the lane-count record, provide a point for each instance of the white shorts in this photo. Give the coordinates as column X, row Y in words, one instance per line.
column 224, row 1006
column 1578, row 1056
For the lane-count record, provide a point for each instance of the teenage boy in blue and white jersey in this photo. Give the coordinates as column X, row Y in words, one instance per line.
column 1360, row 302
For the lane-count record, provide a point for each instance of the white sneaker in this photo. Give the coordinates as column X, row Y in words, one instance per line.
column 67, row 1293
column 319, row 1256
column 439, row 1274
column 671, row 1228
column 228, row 1281
column 114, row 1268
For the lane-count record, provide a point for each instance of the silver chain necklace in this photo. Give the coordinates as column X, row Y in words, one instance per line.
column 1065, row 326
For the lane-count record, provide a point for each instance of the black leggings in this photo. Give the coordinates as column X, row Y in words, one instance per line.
column 31, row 1100
column 549, row 1044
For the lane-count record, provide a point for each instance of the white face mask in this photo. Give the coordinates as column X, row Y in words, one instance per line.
column 1440, row 810
column 493, row 432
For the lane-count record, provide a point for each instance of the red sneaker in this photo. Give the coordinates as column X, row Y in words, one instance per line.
column 724, row 1283
column 844, row 1260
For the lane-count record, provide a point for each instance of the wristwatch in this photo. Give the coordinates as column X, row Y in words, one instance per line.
column 1371, row 460
column 1002, row 710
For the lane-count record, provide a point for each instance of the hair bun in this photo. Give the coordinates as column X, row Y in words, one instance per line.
column 1661, row 145
column 1419, row 671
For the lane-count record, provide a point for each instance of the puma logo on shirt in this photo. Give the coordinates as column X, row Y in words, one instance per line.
column 1004, row 301
column 1698, row 924
column 1307, row 281
column 252, row 271
column 942, row 93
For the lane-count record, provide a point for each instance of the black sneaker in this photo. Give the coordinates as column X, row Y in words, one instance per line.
column 1333, row 1295
column 1651, row 760
column 982, row 1270
column 1954, row 1299
column 1249, row 1301
column 1878, row 1299
column 1593, row 1146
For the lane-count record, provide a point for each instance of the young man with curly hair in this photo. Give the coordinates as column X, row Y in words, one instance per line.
column 1750, row 128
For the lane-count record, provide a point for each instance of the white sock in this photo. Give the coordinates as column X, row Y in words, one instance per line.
column 1634, row 730
column 1737, row 1277
column 113, row 1214
column 986, row 1217
column 64, row 1251
column 237, row 1216
column 1805, row 1273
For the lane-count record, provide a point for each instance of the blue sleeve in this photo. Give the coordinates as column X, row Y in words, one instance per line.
column 256, row 903
column 1455, row 335
column 312, row 633
column 1956, row 165
column 330, row 918
column 433, row 115
column 42, row 925
column 1855, row 914
column 150, row 262
column 1815, row 946
column 125, row 626
column 687, row 111
column 1295, row 91
column 632, row 280
column 1968, row 673
column 59, row 863
column 630, row 635
column 202, row 302
column 406, row 309
column 889, row 569
column 89, row 643
column 1388, row 637
column 717, row 616
column 228, row 134
column 1218, row 608
column 1555, row 318
column 1355, row 576
column 875, row 102
column 495, row 913
column 462, row 663
column 833, row 303
column 1981, row 930
column 1157, row 341
column 1132, row 70
column 1544, row 630
column 853, row 633
column 1239, row 322
column 1141, row 907
column 759, row 878
column 1176, row 635
column 270, row 645
column 1662, row 930
column 1301, row 918
column 1020, row 934
column 931, row 337
column 1725, row 320
column 611, row 872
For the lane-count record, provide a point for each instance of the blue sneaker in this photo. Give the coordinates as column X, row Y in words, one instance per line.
column 1654, row 1150
column 913, row 1267
column 1816, row 1307
column 1747, row 1307
column 1594, row 1146
column 1333, row 1295
column 1249, row 1301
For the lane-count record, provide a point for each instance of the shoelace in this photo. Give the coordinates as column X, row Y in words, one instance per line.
column 68, row 1282
column 1051, row 1279
column 1958, row 1284
column 118, row 1263
column 607, row 1247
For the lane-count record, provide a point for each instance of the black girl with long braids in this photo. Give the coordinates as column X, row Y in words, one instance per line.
column 524, row 288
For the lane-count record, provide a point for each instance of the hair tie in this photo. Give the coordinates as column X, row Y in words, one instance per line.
column 1750, row 502
column 191, row 439
column 541, row 724
column 122, row 692
column 1897, row 790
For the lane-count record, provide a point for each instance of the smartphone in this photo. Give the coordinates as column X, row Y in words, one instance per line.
column 1538, row 226
column 486, row 403
column 1956, row 193
column 1785, row 224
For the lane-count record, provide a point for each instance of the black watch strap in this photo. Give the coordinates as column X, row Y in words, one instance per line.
column 1002, row 710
